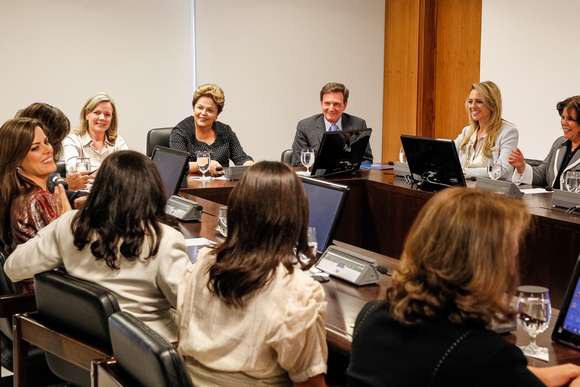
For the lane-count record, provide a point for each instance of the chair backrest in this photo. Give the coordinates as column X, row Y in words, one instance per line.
column 145, row 356
column 79, row 309
column 286, row 156
column 157, row 136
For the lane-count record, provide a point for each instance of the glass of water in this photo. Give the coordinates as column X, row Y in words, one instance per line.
column 534, row 313
column 307, row 159
column 494, row 169
column 203, row 159
column 83, row 164
column 572, row 181
column 312, row 241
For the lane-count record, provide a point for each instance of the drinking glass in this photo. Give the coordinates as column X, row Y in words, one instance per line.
column 312, row 241
column 494, row 169
column 534, row 312
column 83, row 164
column 572, row 181
column 307, row 159
column 203, row 161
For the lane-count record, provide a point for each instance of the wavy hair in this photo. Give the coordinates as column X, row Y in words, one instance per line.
column 56, row 123
column 17, row 135
column 267, row 225
column 460, row 259
column 214, row 92
column 492, row 100
column 126, row 205
column 89, row 106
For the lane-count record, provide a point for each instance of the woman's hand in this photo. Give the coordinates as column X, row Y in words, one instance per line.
column 560, row 375
column 215, row 168
column 248, row 163
column 78, row 181
column 62, row 202
column 516, row 159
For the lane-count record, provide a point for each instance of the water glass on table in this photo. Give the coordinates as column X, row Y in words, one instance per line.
column 307, row 159
column 572, row 181
column 534, row 312
column 203, row 159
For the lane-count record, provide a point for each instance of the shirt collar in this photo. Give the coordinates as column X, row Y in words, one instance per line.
column 328, row 124
column 86, row 139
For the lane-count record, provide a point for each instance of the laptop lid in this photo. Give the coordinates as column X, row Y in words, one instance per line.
column 341, row 152
column 567, row 328
column 172, row 166
column 326, row 201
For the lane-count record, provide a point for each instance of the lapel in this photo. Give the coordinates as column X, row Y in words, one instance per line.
column 346, row 124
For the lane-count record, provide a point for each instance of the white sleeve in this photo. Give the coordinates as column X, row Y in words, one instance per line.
column 41, row 253
column 509, row 142
column 173, row 262
column 524, row 178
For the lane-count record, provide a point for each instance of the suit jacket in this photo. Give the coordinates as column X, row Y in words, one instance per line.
column 309, row 133
column 545, row 173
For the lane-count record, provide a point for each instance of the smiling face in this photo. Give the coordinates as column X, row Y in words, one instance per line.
column 332, row 106
column 477, row 108
column 39, row 161
column 570, row 126
column 99, row 119
column 205, row 112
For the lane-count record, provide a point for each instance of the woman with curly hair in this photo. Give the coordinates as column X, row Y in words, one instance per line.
column 456, row 276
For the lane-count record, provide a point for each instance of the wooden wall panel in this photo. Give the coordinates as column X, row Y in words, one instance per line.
column 457, row 62
column 400, row 81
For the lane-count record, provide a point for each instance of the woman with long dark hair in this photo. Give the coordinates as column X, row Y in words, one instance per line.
column 120, row 239
column 247, row 312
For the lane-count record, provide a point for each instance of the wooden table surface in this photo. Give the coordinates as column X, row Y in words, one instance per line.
column 346, row 300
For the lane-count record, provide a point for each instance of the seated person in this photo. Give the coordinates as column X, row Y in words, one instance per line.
column 563, row 155
column 333, row 99
column 97, row 136
column 202, row 132
column 247, row 312
column 26, row 162
column 121, row 239
column 57, row 126
column 455, row 277
column 488, row 139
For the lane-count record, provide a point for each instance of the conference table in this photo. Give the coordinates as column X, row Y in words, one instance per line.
column 344, row 300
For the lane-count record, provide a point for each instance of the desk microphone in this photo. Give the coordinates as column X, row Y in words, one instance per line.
column 54, row 180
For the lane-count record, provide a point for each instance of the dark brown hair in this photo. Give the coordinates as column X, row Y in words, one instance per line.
column 570, row 103
column 460, row 259
column 125, row 206
column 16, row 137
column 267, row 225
column 335, row 87
column 56, row 123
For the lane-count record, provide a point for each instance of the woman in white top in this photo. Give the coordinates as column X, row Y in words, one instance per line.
column 247, row 313
column 97, row 136
column 488, row 139
column 121, row 239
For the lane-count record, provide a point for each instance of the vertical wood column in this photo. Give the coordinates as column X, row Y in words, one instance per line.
column 432, row 56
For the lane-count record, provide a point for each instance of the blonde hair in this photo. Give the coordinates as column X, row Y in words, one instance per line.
column 88, row 107
column 211, row 91
column 460, row 259
column 492, row 100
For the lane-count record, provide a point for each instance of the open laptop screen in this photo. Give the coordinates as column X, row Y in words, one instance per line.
column 171, row 164
column 341, row 152
column 567, row 329
column 325, row 201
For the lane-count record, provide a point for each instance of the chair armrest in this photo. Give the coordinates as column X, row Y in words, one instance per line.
column 16, row 303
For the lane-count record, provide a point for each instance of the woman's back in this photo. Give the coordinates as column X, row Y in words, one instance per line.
column 279, row 330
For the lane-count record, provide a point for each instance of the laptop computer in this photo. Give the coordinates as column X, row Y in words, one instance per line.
column 172, row 166
column 567, row 328
column 341, row 152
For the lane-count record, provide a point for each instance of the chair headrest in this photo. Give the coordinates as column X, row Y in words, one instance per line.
column 143, row 354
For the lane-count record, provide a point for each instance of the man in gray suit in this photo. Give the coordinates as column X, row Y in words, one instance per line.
column 333, row 99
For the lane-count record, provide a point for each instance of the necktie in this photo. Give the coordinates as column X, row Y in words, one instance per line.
column 333, row 128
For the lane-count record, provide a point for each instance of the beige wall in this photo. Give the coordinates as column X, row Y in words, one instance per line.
column 529, row 48
column 63, row 51
column 272, row 57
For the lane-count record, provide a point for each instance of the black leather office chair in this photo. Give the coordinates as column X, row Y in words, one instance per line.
column 146, row 358
column 286, row 156
column 157, row 136
column 71, row 325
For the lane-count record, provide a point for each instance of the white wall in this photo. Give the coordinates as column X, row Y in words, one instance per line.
column 63, row 51
column 529, row 48
column 271, row 57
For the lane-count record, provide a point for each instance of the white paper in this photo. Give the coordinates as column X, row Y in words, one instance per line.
column 198, row 242
column 541, row 353
column 528, row 191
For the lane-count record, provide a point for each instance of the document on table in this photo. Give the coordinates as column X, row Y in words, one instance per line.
column 193, row 245
column 529, row 191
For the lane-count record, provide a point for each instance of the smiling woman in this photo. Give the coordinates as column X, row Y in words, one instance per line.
column 97, row 136
column 26, row 161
